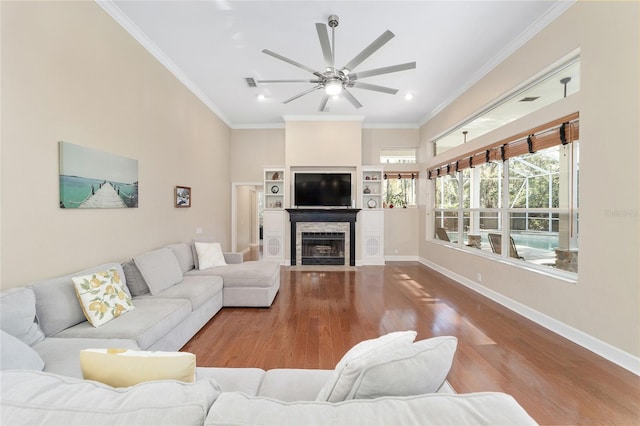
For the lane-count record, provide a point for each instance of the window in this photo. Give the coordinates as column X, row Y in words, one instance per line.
column 399, row 189
column 397, row 155
column 562, row 81
column 524, row 207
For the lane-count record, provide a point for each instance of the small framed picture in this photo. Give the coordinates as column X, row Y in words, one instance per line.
column 183, row 196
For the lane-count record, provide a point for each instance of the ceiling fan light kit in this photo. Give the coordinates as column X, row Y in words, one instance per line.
column 333, row 81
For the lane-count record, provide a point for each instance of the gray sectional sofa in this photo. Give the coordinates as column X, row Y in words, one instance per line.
column 43, row 330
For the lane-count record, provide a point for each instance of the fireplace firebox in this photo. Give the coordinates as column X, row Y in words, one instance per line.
column 323, row 248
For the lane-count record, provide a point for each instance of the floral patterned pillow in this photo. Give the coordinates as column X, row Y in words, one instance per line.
column 102, row 296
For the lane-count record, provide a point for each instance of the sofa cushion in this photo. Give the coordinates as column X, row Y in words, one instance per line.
column 62, row 355
column 159, row 268
column 209, row 255
column 291, row 384
column 151, row 320
column 18, row 315
column 198, row 290
column 134, row 279
column 122, row 367
column 245, row 380
column 57, row 306
column 488, row 408
column 17, row 355
column 349, row 367
column 403, row 370
column 248, row 274
column 102, row 296
column 183, row 253
column 30, row 398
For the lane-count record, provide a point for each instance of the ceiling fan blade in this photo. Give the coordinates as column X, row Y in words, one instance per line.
column 369, row 50
column 323, row 36
column 288, row 81
column 292, row 62
column 323, row 103
column 351, row 99
column 367, row 86
column 383, row 70
column 302, row 94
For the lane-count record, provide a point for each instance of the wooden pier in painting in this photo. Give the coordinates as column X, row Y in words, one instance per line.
column 106, row 197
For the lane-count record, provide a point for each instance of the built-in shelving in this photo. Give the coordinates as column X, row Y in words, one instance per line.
column 274, row 215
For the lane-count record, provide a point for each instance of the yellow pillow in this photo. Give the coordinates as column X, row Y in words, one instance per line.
column 123, row 367
column 102, row 296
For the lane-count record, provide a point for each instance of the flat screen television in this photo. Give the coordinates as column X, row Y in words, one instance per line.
column 322, row 189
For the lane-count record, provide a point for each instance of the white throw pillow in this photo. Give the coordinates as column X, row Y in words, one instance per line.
column 102, row 296
column 209, row 255
column 122, row 367
column 344, row 375
column 404, row 370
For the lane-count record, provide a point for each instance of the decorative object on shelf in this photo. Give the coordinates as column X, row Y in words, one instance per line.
column 278, row 204
column 367, row 178
column 275, row 176
column 183, row 196
column 367, row 190
column 374, row 177
column 275, row 189
column 390, row 206
column 372, row 204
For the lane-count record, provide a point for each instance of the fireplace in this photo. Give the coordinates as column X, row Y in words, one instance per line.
column 322, row 248
column 333, row 228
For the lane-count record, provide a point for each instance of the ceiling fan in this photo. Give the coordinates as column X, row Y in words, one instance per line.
column 335, row 81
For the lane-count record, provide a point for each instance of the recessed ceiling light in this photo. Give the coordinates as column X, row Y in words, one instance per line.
column 408, row 96
column 261, row 97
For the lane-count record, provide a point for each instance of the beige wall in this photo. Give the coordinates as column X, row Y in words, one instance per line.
column 71, row 73
column 244, row 217
column 323, row 143
column 604, row 303
column 374, row 139
column 252, row 150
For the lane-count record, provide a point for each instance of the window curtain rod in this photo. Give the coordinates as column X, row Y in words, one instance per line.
column 558, row 132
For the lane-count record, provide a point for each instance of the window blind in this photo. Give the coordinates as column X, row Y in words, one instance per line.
column 401, row 175
column 558, row 132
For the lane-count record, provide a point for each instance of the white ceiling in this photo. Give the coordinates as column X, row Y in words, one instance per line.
column 213, row 45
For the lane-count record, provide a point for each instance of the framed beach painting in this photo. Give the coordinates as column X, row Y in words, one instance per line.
column 93, row 179
column 183, row 196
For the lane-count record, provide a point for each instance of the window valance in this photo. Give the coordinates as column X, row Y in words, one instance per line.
column 401, row 175
column 558, row 132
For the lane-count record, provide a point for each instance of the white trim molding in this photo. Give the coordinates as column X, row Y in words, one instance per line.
column 597, row 346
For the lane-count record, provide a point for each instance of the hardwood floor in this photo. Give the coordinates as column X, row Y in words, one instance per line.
column 318, row 316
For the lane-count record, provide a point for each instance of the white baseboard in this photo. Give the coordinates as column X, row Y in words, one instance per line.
column 597, row 346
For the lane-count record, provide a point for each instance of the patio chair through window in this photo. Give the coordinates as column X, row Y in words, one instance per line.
column 496, row 245
column 441, row 233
